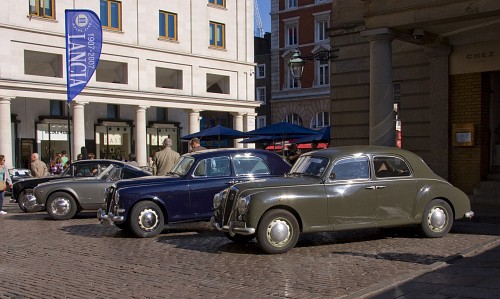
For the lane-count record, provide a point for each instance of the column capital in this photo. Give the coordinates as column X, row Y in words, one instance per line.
column 378, row 34
column 193, row 110
column 237, row 113
column 143, row 107
column 80, row 103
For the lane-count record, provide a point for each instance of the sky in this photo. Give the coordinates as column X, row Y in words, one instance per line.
column 265, row 9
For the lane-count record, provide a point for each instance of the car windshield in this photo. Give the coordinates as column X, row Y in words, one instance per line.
column 310, row 165
column 112, row 173
column 183, row 165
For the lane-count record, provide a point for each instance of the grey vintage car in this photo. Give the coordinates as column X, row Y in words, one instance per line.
column 64, row 198
column 337, row 189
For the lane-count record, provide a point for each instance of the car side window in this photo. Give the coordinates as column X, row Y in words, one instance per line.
column 85, row 170
column 213, row 167
column 390, row 167
column 249, row 165
column 352, row 168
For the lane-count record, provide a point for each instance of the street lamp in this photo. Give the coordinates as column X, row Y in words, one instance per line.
column 297, row 62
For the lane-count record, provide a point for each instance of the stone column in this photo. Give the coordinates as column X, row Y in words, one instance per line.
column 439, row 108
column 141, row 136
column 194, row 121
column 238, row 125
column 6, row 131
column 78, row 127
column 382, row 118
column 249, row 125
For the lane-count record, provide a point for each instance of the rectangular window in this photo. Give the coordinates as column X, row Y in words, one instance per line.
column 112, row 111
column 218, row 2
column 291, row 36
column 321, row 27
column 43, row 64
column 217, row 35
column 323, row 73
column 111, row 14
column 261, row 121
column 42, row 8
column 168, row 25
column 260, row 94
column 291, row 3
column 168, row 78
column 261, row 71
column 56, row 108
column 161, row 114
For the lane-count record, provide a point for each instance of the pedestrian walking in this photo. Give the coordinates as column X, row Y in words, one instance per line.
column 4, row 174
column 166, row 158
column 64, row 158
column 195, row 145
column 38, row 168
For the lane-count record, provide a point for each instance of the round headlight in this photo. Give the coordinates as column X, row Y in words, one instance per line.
column 217, row 200
column 242, row 204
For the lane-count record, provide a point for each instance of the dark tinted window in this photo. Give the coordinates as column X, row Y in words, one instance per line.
column 213, row 167
column 352, row 168
column 390, row 167
column 248, row 165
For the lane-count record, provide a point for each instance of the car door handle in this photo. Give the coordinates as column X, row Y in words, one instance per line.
column 380, row 187
column 370, row 187
column 234, row 182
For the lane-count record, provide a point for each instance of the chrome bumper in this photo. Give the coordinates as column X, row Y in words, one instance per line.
column 232, row 228
column 108, row 219
column 469, row 214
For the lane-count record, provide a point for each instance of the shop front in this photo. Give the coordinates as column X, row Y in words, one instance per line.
column 113, row 140
column 51, row 138
column 159, row 132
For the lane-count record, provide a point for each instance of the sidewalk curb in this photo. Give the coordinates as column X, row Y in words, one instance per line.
column 391, row 283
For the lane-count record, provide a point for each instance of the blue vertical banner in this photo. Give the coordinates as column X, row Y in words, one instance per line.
column 83, row 48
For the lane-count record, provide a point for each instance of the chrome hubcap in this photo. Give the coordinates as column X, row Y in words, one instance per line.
column 278, row 232
column 148, row 219
column 60, row 206
column 436, row 219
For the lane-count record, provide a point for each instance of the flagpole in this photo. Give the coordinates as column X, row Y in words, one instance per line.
column 69, row 134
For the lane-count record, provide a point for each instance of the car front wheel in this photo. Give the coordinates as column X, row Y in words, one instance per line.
column 146, row 219
column 437, row 219
column 61, row 206
column 278, row 231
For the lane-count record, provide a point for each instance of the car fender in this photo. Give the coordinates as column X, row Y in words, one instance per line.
column 434, row 189
column 298, row 202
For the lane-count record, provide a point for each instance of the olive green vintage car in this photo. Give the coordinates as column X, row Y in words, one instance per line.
column 337, row 189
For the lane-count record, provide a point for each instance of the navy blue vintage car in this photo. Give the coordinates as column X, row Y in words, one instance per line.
column 145, row 205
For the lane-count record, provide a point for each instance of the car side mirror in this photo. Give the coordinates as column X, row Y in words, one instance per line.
column 333, row 176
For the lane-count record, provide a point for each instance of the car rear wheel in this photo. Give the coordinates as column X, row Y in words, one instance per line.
column 146, row 219
column 26, row 201
column 278, row 231
column 437, row 219
column 237, row 238
column 61, row 206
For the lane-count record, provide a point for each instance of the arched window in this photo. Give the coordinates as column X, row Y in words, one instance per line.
column 293, row 118
column 320, row 120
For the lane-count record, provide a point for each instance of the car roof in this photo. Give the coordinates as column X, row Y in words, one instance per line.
column 228, row 151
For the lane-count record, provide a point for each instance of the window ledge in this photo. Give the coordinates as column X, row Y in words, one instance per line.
column 218, row 48
column 217, row 6
column 35, row 17
column 112, row 30
column 168, row 40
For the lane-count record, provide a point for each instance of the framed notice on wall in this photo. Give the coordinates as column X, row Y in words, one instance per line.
column 463, row 134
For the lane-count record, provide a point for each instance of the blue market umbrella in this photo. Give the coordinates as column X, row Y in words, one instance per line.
column 283, row 130
column 216, row 133
column 323, row 135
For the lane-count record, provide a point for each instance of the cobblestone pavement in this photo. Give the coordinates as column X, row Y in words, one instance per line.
column 79, row 258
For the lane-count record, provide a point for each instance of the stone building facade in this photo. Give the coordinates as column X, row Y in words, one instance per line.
column 430, row 69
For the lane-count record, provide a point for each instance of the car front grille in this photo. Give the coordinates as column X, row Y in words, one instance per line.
column 228, row 204
column 110, row 199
